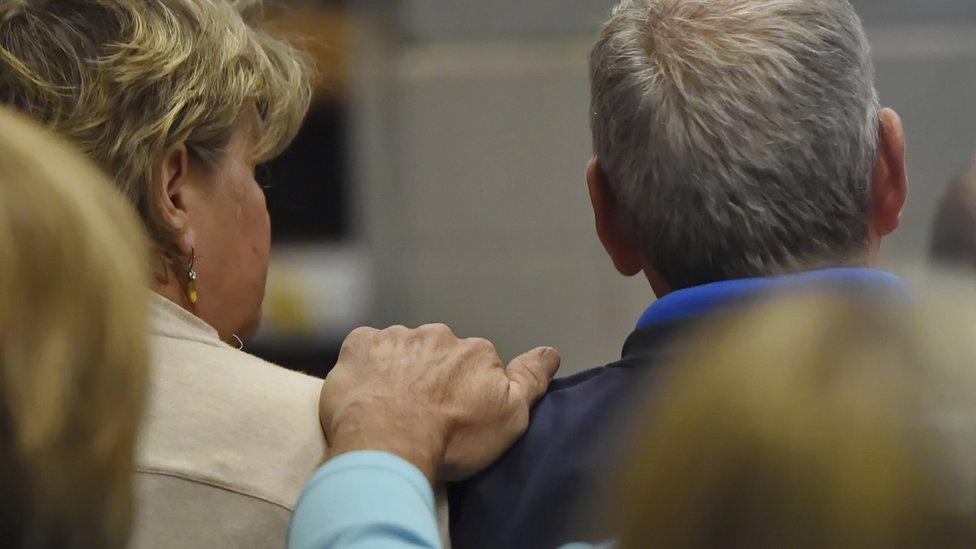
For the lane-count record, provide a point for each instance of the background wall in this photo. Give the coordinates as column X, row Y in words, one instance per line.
column 451, row 19
column 470, row 140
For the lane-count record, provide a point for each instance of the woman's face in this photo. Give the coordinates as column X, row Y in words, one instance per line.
column 231, row 235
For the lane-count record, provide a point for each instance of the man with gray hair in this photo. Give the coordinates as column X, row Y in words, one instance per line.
column 739, row 147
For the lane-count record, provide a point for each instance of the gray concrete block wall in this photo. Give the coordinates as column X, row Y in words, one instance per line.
column 472, row 162
column 433, row 20
column 928, row 74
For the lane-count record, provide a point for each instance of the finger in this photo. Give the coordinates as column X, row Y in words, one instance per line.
column 363, row 333
column 439, row 332
column 396, row 330
column 531, row 372
column 325, row 412
column 482, row 346
column 358, row 338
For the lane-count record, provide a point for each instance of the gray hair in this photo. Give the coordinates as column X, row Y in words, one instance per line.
column 739, row 136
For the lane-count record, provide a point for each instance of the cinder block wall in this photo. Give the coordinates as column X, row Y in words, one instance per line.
column 472, row 148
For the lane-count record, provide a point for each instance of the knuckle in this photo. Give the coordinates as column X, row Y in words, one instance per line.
column 396, row 330
column 437, row 328
column 480, row 344
column 534, row 378
column 361, row 332
column 358, row 335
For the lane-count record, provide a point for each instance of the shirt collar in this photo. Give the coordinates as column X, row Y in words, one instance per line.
column 170, row 320
column 700, row 300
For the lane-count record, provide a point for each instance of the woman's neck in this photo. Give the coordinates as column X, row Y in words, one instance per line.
column 170, row 288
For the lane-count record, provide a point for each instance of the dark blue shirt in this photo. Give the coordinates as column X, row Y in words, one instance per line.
column 533, row 495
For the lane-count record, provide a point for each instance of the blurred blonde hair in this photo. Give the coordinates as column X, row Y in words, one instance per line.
column 73, row 351
column 812, row 421
column 127, row 80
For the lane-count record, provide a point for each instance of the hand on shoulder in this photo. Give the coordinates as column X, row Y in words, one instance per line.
column 450, row 406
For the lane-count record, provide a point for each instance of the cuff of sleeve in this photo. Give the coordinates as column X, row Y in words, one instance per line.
column 379, row 463
column 365, row 495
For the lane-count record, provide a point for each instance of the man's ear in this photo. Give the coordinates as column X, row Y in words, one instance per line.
column 889, row 186
column 620, row 246
column 170, row 190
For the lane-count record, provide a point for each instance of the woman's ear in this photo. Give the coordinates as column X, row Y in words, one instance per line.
column 170, row 194
column 620, row 246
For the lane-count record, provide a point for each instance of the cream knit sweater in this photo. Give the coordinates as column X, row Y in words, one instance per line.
column 227, row 444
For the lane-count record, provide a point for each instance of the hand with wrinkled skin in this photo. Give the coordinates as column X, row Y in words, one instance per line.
column 447, row 405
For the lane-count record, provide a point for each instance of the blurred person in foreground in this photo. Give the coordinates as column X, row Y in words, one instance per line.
column 73, row 350
column 953, row 242
column 178, row 101
column 810, row 420
column 739, row 146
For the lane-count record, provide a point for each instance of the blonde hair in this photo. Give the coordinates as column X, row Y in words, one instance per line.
column 73, row 350
column 815, row 421
column 127, row 80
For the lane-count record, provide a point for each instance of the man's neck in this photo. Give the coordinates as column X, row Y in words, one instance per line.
column 868, row 260
column 659, row 286
column 702, row 299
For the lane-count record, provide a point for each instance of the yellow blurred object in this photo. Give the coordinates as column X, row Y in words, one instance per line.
column 286, row 303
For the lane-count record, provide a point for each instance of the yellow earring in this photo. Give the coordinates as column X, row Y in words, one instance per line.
column 191, row 275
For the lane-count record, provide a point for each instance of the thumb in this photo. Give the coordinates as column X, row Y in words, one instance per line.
column 531, row 372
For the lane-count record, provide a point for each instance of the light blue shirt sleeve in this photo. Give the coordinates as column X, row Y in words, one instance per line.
column 365, row 500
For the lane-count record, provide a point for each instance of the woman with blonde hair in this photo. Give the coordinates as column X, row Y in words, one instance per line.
column 73, row 352
column 178, row 101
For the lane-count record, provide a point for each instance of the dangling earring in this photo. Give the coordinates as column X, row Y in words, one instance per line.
column 191, row 275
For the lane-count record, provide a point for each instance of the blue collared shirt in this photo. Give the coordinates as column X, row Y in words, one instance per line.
column 700, row 300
